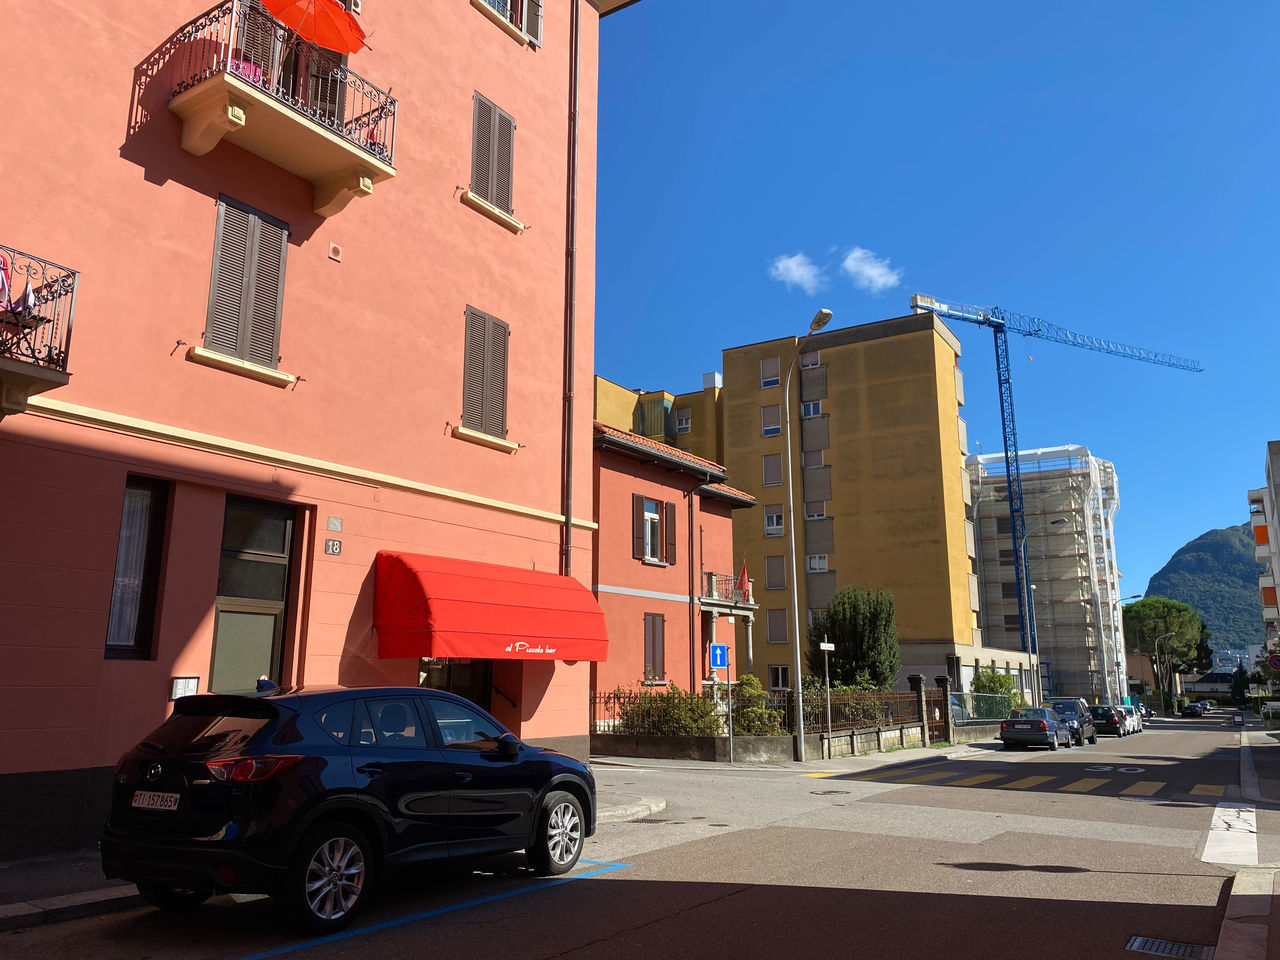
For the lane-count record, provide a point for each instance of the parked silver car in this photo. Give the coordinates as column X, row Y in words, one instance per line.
column 1135, row 718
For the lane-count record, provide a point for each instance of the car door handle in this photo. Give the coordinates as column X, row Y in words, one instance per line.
column 370, row 769
column 462, row 775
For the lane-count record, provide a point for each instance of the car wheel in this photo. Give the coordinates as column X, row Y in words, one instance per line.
column 558, row 841
column 1094, row 739
column 329, row 877
column 1053, row 744
column 169, row 897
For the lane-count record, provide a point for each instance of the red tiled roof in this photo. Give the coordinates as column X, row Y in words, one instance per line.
column 664, row 448
column 731, row 491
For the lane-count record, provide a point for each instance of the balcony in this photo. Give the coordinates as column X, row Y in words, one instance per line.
column 724, row 588
column 246, row 78
column 37, row 302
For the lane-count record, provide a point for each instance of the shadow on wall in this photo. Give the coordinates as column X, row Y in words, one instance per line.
column 360, row 665
column 153, row 138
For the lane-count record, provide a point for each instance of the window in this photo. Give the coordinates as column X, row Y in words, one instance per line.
column 131, row 622
column 463, row 727
column 484, row 374
column 815, row 509
column 1009, row 590
column 1006, row 558
column 816, row 563
column 810, row 359
column 246, row 289
column 335, row 720
column 779, row 676
column 1011, row 621
column 493, row 134
column 812, row 408
column 775, row 626
column 811, row 458
column 653, row 530
column 655, row 665
column 389, row 723
column 773, row 520
column 769, row 372
column 684, row 419
column 1003, row 525
column 770, row 421
column 775, row 573
column 524, row 15
column 771, row 468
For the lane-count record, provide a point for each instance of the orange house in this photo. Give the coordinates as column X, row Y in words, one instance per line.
column 663, row 562
column 319, row 374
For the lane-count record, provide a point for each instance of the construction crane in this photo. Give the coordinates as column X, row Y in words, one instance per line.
column 1001, row 321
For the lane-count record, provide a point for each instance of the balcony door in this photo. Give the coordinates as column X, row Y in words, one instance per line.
column 254, row 574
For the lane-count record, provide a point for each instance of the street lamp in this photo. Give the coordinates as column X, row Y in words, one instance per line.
column 820, row 320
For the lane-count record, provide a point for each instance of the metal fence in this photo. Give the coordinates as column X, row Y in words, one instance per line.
column 724, row 586
column 37, row 305
column 240, row 38
column 970, row 709
column 855, row 711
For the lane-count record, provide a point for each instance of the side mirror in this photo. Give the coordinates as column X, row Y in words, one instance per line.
column 509, row 747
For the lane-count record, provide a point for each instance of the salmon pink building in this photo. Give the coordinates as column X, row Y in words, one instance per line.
column 318, row 421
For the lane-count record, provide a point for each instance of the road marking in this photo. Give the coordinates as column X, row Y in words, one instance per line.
column 1143, row 788
column 1026, row 783
column 1207, row 790
column 601, row 867
column 897, row 772
column 974, row 781
column 1084, row 786
column 925, row 777
column 1233, row 835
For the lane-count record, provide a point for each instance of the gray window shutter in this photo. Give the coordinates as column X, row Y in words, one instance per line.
column 637, row 526
column 482, row 148
column 266, row 295
column 532, row 20
column 495, row 377
column 504, row 136
column 473, row 371
column 226, row 286
column 670, row 556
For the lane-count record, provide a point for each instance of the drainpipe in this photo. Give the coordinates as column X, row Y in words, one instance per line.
column 570, row 293
column 694, row 609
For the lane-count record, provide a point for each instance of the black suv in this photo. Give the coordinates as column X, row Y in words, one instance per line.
column 1075, row 713
column 305, row 795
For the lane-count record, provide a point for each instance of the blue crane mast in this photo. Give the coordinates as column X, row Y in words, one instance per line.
column 1001, row 321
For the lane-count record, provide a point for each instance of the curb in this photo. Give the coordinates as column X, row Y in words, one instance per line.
column 643, row 807
column 34, row 913
column 1243, row 935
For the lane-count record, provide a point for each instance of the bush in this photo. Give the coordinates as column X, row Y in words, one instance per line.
column 752, row 716
column 988, row 680
column 672, row 713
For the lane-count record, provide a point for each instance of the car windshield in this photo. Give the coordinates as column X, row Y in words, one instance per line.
column 204, row 725
column 1027, row 713
column 1070, row 707
column 1100, row 711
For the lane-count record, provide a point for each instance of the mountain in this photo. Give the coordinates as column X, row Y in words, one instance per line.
column 1217, row 574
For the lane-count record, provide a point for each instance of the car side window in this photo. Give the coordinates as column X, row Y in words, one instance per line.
column 335, row 720
column 392, row 722
column 460, row 726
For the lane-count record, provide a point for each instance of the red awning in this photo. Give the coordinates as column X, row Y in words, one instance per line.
column 438, row 607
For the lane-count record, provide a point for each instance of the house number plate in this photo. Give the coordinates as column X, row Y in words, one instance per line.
column 333, row 547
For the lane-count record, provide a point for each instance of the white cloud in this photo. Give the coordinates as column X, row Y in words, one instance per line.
column 868, row 272
column 797, row 270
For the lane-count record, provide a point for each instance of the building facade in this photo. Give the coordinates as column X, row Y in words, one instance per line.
column 1070, row 498
column 314, row 345
column 1265, row 523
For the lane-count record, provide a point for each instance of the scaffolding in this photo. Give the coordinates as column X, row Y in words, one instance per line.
column 1070, row 499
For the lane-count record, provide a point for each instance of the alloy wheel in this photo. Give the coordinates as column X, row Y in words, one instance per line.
column 335, row 878
column 564, row 833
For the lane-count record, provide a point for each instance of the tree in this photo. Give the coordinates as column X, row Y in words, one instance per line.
column 989, row 680
column 1240, row 683
column 861, row 625
column 1170, row 634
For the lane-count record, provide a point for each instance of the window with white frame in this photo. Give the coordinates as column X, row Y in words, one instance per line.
column 816, row 563
column 773, row 520
column 652, row 530
column 815, row 509
column 775, row 573
column 810, row 408
column 811, row 458
column 810, row 359
column 684, row 419
column 779, row 676
column 769, row 372
column 770, row 421
column 775, row 626
column 771, row 470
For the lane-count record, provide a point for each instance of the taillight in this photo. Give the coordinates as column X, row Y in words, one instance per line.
column 1004, row 724
column 250, row 769
column 1042, row 725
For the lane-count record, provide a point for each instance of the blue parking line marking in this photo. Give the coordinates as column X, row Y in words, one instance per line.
column 427, row 914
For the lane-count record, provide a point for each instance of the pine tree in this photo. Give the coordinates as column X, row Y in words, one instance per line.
column 861, row 625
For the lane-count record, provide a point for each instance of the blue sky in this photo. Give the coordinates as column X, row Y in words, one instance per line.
column 1110, row 167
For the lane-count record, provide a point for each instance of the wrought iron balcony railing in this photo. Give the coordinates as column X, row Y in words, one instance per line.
column 240, row 38
column 37, row 303
column 725, row 587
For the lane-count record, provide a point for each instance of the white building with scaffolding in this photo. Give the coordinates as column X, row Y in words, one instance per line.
column 1070, row 499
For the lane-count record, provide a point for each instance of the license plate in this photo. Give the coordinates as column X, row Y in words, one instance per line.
column 150, row 800
column 1022, row 726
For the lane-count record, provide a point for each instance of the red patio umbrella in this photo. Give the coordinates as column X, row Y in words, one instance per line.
column 326, row 23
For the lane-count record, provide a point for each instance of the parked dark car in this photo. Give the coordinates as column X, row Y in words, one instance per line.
column 1034, row 726
column 1193, row 709
column 306, row 796
column 1078, row 719
column 1108, row 719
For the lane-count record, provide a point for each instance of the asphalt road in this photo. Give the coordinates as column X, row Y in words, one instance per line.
column 1001, row 854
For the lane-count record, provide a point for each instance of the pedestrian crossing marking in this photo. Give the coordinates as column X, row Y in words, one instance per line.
column 1143, row 788
column 925, row 777
column 1083, row 786
column 974, row 781
column 880, row 775
column 1026, row 783
column 1207, row 790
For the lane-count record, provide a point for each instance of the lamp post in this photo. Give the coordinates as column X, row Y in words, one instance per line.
column 820, row 320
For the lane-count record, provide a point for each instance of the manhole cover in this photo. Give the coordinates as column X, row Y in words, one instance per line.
column 1167, row 948
column 829, row 793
